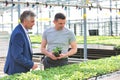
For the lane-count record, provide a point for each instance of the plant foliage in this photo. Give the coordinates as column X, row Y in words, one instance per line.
column 81, row 71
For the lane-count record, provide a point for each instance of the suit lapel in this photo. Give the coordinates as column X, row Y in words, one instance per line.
column 22, row 30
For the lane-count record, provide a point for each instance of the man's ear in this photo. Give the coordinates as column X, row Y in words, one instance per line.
column 25, row 20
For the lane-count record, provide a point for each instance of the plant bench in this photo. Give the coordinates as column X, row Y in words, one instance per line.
column 89, row 70
column 95, row 53
column 92, row 54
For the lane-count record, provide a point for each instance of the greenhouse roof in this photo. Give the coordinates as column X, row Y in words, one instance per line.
column 105, row 4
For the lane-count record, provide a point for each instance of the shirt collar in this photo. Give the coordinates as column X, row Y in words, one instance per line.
column 26, row 31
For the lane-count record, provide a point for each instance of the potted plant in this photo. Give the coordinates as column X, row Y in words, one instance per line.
column 57, row 51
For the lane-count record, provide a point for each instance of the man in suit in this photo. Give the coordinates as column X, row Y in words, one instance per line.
column 19, row 57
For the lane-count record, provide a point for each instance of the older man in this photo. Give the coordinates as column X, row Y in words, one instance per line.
column 58, row 36
column 19, row 57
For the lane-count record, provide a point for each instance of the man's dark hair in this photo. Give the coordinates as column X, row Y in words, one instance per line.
column 26, row 15
column 59, row 16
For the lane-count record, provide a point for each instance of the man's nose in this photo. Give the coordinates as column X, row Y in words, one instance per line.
column 63, row 25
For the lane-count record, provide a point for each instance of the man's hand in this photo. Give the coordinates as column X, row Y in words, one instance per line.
column 50, row 55
column 35, row 66
column 62, row 56
column 44, row 51
column 71, row 52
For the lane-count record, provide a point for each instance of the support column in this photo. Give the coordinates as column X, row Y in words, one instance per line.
column 116, row 21
column 85, row 32
column 12, row 18
column 111, row 23
column 18, row 11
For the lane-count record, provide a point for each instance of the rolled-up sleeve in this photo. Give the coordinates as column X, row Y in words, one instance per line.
column 44, row 36
column 71, row 37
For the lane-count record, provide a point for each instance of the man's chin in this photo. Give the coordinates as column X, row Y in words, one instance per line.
column 61, row 28
column 30, row 28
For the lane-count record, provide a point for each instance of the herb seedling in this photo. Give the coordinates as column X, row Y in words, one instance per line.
column 57, row 51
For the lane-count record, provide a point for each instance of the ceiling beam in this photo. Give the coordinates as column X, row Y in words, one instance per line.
column 57, row 4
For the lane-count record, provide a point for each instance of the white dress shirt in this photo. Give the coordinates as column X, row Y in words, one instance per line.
column 26, row 32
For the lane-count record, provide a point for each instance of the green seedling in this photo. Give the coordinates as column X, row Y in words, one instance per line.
column 57, row 51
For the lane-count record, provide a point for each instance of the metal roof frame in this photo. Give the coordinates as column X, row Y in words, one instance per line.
column 65, row 3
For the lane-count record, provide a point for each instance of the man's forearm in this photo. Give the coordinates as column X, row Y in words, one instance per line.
column 44, row 51
column 71, row 52
column 73, row 49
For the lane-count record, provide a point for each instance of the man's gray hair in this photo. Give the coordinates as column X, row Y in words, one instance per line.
column 26, row 15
